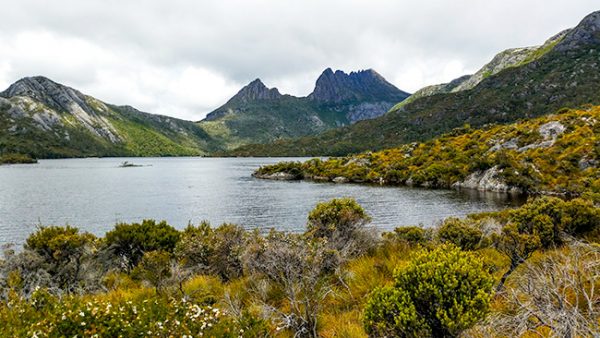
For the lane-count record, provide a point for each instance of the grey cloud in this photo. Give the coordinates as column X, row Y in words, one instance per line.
column 413, row 43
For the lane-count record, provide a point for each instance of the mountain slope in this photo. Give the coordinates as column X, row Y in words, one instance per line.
column 558, row 154
column 257, row 114
column 566, row 73
column 45, row 119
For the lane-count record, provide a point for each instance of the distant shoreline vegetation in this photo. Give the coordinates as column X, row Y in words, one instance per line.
column 552, row 155
column 14, row 158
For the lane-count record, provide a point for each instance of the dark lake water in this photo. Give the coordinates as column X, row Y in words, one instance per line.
column 95, row 194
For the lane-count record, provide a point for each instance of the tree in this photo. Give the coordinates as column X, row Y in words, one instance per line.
column 130, row 241
column 341, row 222
column 459, row 233
column 449, row 289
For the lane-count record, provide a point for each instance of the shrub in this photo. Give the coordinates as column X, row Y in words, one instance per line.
column 155, row 268
column 449, row 289
column 459, row 233
column 390, row 312
column 62, row 250
column 410, row 235
column 342, row 223
column 130, row 241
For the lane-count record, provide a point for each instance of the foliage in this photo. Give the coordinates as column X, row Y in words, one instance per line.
column 62, row 250
column 13, row 158
column 155, row 267
column 459, row 233
column 410, row 234
column 113, row 315
column 309, row 284
column 441, row 292
column 129, row 242
column 341, row 222
column 555, row 297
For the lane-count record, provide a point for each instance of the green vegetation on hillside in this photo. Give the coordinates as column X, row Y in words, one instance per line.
column 553, row 154
column 263, row 121
column 336, row 279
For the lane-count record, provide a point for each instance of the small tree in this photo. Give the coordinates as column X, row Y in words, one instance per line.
column 449, row 290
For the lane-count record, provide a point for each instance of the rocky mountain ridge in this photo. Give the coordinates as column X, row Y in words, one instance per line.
column 258, row 114
column 42, row 118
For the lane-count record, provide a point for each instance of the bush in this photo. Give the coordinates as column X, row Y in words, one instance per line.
column 410, row 235
column 62, row 250
column 390, row 312
column 341, row 222
column 459, row 233
column 155, row 268
column 449, row 289
column 130, row 241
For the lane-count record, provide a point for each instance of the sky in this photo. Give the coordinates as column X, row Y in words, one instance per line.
column 185, row 58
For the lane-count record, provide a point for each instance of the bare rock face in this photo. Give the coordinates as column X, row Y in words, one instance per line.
column 551, row 130
column 586, row 33
column 256, row 90
column 365, row 85
column 368, row 110
column 488, row 180
column 33, row 91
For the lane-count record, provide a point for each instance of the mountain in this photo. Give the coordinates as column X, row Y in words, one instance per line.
column 517, row 84
column 258, row 114
column 42, row 118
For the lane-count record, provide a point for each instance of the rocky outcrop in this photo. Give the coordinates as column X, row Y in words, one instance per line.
column 279, row 176
column 586, row 33
column 47, row 119
column 34, row 95
column 368, row 110
column 365, row 85
column 488, row 180
column 256, row 90
column 508, row 58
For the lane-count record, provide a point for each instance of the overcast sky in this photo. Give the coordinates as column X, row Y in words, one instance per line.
column 185, row 58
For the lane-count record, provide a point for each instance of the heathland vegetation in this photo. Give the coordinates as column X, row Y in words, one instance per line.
column 517, row 272
column 554, row 154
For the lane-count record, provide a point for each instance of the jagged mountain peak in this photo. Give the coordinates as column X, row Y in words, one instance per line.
column 363, row 85
column 256, row 90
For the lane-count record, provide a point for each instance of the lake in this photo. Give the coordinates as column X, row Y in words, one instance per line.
column 94, row 194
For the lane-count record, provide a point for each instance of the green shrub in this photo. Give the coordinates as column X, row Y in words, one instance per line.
column 341, row 222
column 155, row 268
column 410, row 235
column 131, row 241
column 449, row 289
column 459, row 233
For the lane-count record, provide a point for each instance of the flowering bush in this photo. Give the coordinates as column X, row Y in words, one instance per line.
column 112, row 315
